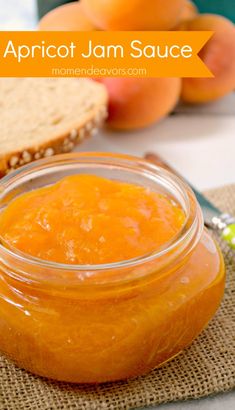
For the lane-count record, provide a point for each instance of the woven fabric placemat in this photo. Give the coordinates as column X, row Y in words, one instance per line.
column 207, row 367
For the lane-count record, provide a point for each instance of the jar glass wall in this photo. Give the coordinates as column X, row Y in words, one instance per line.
column 97, row 323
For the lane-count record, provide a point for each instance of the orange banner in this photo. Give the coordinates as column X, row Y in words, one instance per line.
column 103, row 54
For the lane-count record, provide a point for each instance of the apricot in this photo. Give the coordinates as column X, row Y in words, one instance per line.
column 139, row 102
column 134, row 14
column 68, row 17
column 189, row 12
column 219, row 56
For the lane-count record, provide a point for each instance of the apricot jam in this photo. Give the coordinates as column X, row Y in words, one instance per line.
column 85, row 219
column 106, row 271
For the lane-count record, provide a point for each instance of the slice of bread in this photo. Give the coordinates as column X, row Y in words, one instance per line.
column 41, row 117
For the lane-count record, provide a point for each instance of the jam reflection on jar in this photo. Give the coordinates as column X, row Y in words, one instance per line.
column 105, row 322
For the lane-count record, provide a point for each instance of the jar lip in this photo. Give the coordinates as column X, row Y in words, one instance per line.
column 42, row 164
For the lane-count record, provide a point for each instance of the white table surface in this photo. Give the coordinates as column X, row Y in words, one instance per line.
column 198, row 141
column 200, row 146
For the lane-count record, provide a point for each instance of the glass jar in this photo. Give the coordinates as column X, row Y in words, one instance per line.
column 99, row 323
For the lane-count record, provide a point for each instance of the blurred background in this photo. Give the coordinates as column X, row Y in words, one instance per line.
column 198, row 140
column 224, row 7
column 23, row 14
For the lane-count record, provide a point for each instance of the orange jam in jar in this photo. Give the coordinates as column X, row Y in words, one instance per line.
column 106, row 271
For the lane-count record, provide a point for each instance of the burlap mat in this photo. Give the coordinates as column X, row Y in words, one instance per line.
column 207, row 367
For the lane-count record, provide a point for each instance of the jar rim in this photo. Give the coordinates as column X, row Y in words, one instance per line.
column 190, row 225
